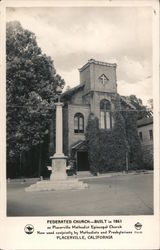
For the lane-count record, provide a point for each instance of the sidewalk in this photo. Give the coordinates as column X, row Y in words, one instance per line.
column 86, row 176
column 111, row 174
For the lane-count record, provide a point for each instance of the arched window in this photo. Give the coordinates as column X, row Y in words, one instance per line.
column 106, row 120
column 78, row 123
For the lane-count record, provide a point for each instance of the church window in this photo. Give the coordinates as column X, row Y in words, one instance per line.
column 104, row 79
column 106, row 119
column 78, row 123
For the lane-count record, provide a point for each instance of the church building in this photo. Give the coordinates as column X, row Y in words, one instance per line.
column 97, row 94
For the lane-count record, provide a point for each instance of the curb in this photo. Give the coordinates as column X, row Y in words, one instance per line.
column 115, row 174
column 26, row 180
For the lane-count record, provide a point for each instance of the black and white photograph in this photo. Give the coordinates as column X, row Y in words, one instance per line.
column 80, row 118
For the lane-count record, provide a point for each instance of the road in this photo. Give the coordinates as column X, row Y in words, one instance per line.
column 130, row 194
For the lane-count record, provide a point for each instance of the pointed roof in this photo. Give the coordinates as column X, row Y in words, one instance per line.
column 72, row 91
column 127, row 102
column 145, row 121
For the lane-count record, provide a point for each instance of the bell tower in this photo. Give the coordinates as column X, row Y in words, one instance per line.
column 99, row 76
column 100, row 82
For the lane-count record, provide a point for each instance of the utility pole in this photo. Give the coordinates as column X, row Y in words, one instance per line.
column 127, row 163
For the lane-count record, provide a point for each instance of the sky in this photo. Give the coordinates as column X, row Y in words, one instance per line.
column 73, row 35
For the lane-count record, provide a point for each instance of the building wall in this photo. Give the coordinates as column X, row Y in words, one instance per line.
column 72, row 110
column 85, row 79
column 90, row 75
column 85, row 110
column 147, row 143
column 145, row 134
column 77, row 98
column 88, row 100
column 96, row 99
column 96, row 83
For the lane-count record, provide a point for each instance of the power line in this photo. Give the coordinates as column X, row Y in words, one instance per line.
column 53, row 108
column 28, row 106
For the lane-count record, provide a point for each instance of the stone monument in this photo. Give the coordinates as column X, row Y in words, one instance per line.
column 58, row 178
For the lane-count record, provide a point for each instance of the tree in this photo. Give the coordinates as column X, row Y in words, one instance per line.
column 68, row 88
column 131, row 117
column 134, row 144
column 142, row 111
column 31, row 91
column 150, row 104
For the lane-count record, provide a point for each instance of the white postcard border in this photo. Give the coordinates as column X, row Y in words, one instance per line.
column 12, row 228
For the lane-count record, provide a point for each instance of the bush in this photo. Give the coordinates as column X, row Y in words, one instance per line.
column 106, row 148
column 92, row 130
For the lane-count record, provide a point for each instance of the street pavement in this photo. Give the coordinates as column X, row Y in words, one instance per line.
column 126, row 194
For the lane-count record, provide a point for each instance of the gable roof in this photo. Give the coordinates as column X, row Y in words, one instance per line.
column 127, row 102
column 67, row 94
column 145, row 121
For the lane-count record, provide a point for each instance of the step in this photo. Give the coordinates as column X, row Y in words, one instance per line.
column 84, row 173
column 68, row 184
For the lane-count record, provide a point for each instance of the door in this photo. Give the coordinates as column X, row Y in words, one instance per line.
column 82, row 161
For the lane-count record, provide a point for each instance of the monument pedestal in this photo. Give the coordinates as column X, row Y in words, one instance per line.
column 58, row 167
column 58, row 179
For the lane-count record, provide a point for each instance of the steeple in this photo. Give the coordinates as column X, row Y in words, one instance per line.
column 99, row 76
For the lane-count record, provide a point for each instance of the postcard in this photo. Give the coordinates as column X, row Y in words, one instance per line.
column 79, row 124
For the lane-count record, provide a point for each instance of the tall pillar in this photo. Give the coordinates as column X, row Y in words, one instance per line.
column 58, row 179
column 59, row 159
column 59, row 129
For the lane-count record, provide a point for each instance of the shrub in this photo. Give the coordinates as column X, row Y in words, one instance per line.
column 106, row 148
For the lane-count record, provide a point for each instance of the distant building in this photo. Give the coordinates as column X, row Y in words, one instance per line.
column 145, row 131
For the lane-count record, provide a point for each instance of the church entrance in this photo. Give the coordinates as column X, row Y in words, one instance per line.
column 82, row 161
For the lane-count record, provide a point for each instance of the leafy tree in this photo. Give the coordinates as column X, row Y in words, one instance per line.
column 68, row 88
column 134, row 145
column 150, row 104
column 31, row 90
column 142, row 111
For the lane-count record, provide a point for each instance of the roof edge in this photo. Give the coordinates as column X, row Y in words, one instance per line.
column 127, row 102
column 73, row 90
column 145, row 121
column 90, row 61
